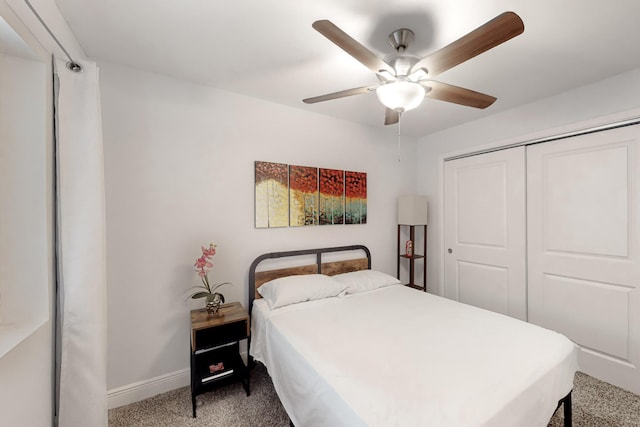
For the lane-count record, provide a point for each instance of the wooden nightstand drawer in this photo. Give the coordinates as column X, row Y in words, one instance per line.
column 223, row 327
column 219, row 335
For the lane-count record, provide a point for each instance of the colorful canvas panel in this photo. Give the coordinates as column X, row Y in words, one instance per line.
column 355, row 192
column 272, row 195
column 303, row 195
column 331, row 186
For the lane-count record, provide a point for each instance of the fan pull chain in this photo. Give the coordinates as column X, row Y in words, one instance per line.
column 399, row 121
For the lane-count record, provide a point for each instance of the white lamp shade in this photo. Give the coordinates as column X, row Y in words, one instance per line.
column 400, row 95
column 412, row 210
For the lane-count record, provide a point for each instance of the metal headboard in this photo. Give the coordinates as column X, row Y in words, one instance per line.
column 317, row 252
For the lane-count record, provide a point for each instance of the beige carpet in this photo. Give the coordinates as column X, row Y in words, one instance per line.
column 595, row 404
column 598, row 404
column 224, row 407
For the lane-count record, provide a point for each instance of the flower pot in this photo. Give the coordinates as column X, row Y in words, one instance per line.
column 214, row 302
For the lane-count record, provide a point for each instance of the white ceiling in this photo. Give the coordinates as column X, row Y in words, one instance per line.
column 268, row 49
column 12, row 44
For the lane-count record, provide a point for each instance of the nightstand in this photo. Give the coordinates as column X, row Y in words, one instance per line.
column 215, row 349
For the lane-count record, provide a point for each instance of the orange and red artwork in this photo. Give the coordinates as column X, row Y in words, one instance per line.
column 272, row 191
column 331, row 188
column 303, row 195
column 355, row 191
column 290, row 195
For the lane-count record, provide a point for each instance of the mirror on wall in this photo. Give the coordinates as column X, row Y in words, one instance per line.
column 24, row 190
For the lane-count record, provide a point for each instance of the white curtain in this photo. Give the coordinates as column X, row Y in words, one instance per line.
column 81, row 337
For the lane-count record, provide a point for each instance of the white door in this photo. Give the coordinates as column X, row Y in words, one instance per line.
column 583, row 248
column 485, row 241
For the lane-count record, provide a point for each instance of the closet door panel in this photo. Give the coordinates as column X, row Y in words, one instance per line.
column 483, row 285
column 587, row 190
column 485, row 231
column 583, row 254
column 594, row 314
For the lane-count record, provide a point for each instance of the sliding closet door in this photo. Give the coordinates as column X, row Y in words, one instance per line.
column 583, row 248
column 484, row 220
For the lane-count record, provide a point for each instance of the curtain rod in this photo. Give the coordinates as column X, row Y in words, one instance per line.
column 71, row 64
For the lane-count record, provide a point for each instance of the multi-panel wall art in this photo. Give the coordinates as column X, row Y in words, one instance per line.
column 331, row 188
column 272, row 195
column 355, row 191
column 303, row 195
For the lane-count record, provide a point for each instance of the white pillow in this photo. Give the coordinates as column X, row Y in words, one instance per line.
column 365, row 280
column 305, row 287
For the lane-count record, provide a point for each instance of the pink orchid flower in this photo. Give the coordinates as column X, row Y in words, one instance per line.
column 210, row 251
column 202, row 267
column 201, row 262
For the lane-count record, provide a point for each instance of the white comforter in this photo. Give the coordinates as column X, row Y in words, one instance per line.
column 399, row 357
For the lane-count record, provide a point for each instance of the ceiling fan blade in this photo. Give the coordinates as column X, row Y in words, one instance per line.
column 340, row 94
column 497, row 31
column 391, row 117
column 457, row 95
column 352, row 47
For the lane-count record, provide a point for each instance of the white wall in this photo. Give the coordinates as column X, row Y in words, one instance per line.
column 26, row 370
column 179, row 165
column 606, row 101
column 23, row 179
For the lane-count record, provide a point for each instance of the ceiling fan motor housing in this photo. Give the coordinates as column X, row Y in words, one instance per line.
column 401, row 39
column 403, row 64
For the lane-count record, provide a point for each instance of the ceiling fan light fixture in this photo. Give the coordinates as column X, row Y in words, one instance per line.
column 405, row 79
column 400, row 95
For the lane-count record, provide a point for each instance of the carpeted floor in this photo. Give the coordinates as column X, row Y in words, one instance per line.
column 599, row 404
column 595, row 404
column 225, row 407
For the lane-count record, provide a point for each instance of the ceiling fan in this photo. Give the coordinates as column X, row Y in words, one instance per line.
column 406, row 79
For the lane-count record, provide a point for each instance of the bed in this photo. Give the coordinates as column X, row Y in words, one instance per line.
column 386, row 355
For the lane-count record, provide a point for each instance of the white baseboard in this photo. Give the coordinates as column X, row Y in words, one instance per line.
column 145, row 389
column 141, row 390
